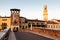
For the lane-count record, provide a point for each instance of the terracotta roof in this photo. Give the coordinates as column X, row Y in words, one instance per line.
column 36, row 20
column 51, row 22
column 22, row 17
column 4, row 17
column 58, row 20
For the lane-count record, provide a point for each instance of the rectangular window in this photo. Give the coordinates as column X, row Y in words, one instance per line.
column 4, row 19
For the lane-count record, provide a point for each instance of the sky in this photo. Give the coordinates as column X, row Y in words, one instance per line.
column 31, row 9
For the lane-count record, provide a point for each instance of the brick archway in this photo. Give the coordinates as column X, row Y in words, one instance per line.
column 15, row 29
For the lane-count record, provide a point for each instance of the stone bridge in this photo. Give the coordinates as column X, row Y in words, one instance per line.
column 50, row 32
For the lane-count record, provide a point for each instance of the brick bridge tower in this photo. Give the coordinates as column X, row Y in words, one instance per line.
column 15, row 19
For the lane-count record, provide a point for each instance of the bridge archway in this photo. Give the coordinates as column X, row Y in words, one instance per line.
column 15, row 29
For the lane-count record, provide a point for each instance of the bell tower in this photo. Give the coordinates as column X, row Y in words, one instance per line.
column 15, row 18
column 45, row 13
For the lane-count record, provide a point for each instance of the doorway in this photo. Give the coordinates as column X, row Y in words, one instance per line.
column 15, row 29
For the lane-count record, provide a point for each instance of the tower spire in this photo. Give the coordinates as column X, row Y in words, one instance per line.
column 45, row 13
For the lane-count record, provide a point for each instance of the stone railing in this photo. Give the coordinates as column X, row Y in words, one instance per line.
column 4, row 34
column 50, row 32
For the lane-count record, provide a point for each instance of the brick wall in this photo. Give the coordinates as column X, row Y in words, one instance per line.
column 54, row 33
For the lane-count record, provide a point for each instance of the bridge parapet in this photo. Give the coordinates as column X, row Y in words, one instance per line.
column 51, row 32
column 4, row 34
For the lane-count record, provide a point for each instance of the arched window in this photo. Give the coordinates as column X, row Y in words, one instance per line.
column 23, row 27
column 4, row 25
column 29, row 24
column 26, row 27
column 33, row 24
column 37, row 23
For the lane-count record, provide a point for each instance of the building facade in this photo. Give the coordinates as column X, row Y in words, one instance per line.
column 5, row 22
column 15, row 21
